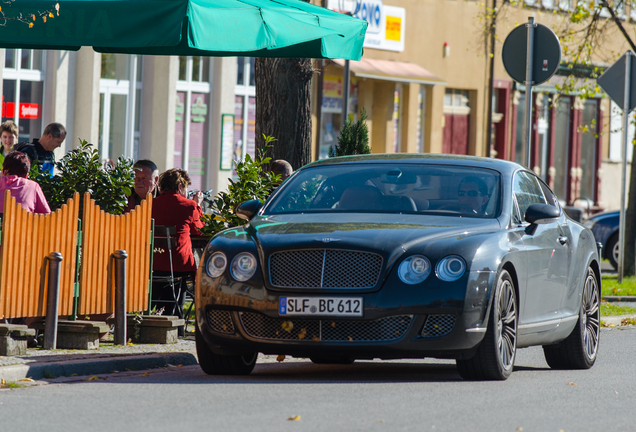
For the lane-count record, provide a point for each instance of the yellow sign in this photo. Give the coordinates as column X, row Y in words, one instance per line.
column 393, row 28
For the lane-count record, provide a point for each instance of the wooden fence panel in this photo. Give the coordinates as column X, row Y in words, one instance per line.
column 102, row 235
column 27, row 239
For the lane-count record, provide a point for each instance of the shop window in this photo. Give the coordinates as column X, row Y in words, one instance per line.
column 192, row 117
column 120, row 93
column 22, row 91
column 588, row 150
column 421, row 118
column 244, row 110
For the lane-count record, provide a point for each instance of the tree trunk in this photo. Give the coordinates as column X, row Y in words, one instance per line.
column 630, row 227
column 283, row 94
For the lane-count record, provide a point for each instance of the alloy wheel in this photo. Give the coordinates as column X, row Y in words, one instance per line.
column 590, row 315
column 507, row 325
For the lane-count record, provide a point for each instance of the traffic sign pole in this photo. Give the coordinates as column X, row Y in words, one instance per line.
column 528, row 124
column 626, row 110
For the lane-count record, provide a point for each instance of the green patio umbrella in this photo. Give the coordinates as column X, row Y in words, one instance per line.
column 255, row 28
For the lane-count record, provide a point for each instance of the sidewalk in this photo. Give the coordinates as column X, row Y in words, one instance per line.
column 39, row 363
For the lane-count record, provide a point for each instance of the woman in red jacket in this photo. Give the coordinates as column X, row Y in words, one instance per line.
column 173, row 208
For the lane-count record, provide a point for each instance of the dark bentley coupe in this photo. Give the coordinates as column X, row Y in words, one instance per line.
column 401, row 256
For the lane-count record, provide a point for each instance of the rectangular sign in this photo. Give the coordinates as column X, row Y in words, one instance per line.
column 227, row 141
column 29, row 110
column 386, row 23
column 324, row 306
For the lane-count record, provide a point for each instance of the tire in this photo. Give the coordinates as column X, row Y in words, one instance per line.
column 332, row 360
column 611, row 251
column 215, row 364
column 579, row 349
column 495, row 356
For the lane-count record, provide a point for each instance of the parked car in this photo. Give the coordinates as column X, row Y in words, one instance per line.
column 401, row 256
column 605, row 228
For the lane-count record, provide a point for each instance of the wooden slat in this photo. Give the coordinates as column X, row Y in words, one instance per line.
column 27, row 239
column 103, row 234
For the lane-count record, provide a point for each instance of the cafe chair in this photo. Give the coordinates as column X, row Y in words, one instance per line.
column 166, row 287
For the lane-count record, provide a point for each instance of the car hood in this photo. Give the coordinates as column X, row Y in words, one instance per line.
column 383, row 233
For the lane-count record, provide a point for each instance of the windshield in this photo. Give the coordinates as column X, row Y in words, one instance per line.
column 389, row 188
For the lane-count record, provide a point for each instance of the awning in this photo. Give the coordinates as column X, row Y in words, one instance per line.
column 251, row 28
column 389, row 70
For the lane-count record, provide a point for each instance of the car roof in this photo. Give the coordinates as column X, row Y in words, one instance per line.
column 503, row 166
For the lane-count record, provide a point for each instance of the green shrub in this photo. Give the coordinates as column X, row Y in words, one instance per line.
column 81, row 170
column 353, row 138
column 252, row 183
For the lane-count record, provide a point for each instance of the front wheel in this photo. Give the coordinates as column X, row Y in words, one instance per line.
column 215, row 364
column 495, row 356
column 579, row 349
column 611, row 250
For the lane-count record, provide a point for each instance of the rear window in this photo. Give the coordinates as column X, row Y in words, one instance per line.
column 389, row 188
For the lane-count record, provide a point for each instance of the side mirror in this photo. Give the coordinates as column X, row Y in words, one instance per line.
column 248, row 209
column 540, row 214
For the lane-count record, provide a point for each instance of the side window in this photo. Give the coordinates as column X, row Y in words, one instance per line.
column 549, row 195
column 516, row 218
column 527, row 191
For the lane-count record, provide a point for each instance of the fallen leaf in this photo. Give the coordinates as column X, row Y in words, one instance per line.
column 280, row 358
column 93, row 378
column 180, row 365
column 3, row 382
column 30, row 25
column 519, row 429
column 333, row 324
column 145, row 374
column 26, row 379
column 287, row 326
column 73, row 374
column 296, row 418
column 350, row 338
column 571, row 383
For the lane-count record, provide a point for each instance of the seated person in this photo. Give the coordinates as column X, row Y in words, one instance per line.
column 173, row 208
column 472, row 193
column 361, row 198
column 27, row 193
column 146, row 178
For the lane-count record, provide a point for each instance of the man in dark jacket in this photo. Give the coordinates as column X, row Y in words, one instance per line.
column 40, row 151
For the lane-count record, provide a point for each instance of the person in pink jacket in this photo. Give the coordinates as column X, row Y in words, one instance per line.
column 26, row 192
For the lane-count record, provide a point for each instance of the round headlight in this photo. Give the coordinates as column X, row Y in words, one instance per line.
column 451, row 268
column 414, row 269
column 216, row 264
column 243, row 266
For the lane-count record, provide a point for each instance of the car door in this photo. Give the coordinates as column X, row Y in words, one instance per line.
column 547, row 252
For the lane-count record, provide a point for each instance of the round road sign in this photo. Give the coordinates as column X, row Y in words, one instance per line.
column 546, row 53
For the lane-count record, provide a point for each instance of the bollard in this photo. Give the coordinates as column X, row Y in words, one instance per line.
column 52, row 301
column 120, row 297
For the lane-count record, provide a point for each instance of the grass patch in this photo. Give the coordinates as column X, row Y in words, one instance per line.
column 10, row 385
column 611, row 287
column 609, row 309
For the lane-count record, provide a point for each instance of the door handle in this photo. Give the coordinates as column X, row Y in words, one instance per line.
column 563, row 240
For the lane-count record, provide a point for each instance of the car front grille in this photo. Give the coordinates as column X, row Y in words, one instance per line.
column 438, row 325
column 312, row 330
column 221, row 321
column 324, row 268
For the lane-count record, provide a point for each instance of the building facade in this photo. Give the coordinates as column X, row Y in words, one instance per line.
column 423, row 81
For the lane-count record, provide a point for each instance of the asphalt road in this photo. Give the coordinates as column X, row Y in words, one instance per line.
column 391, row 396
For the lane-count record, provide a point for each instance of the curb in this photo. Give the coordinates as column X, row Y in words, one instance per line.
column 612, row 299
column 617, row 320
column 98, row 366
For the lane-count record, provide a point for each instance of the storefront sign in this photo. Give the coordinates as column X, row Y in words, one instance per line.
column 199, row 111
column 332, row 94
column 29, row 110
column 8, row 109
column 386, row 23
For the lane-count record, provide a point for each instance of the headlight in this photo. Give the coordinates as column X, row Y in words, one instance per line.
column 451, row 268
column 243, row 266
column 414, row 269
column 216, row 264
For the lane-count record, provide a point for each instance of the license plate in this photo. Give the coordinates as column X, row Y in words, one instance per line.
column 325, row 306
